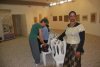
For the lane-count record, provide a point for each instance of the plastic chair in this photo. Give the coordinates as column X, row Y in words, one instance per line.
column 58, row 51
column 44, row 56
column 51, row 36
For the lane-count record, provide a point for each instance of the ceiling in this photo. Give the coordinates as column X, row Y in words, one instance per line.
column 44, row 1
column 27, row 2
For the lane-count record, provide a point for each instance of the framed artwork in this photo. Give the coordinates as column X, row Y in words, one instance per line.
column 78, row 17
column 54, row 18
column 99, row 18
column 60, row 18
column 35, row 19
column 85, row 18
column 6, row 28
column 93, row 17
column 66, row 18
column 40, row 17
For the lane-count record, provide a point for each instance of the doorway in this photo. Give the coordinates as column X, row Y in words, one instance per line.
column 19, row 23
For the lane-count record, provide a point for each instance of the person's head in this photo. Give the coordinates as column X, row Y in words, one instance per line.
column 72, row 16
column 44, row 22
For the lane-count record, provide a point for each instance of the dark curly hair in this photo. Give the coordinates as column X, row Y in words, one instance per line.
column 45, row 20
column 72, row 12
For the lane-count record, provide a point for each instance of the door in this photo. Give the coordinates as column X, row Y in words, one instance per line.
column 19, row 23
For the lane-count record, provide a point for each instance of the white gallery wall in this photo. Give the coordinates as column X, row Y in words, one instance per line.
column 82, row 7
column 29, row 11
column 5, row 19
column 1, row 29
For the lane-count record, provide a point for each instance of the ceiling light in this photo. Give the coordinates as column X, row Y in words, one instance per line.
column 59, row 2
column 54, row 3
column 69, row 0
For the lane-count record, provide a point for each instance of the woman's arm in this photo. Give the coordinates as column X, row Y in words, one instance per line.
column 61, row 36
column 41, row 37
column 82, row 39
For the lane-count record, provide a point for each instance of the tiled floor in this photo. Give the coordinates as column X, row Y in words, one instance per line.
column 16, row 53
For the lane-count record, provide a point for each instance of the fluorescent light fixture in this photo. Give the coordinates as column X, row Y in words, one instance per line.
column 51, row 4
column 69, row 0
column 61, row 2
column 54, row 3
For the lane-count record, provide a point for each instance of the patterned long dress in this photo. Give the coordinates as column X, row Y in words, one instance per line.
column 70, row 59
column 75, row 41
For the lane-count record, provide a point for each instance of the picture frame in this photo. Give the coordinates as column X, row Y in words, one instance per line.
column 60, row 18
column 85, row 18
column 35, row 19
column 78, row 17
column 99, row 18
column 93, row 17
column 54, row 18
column 66, row 18
column 6, row 28
column 40, row 17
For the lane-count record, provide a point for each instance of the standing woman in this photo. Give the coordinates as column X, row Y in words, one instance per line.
column 35, row 34
column 75, row 34
column 45, row 32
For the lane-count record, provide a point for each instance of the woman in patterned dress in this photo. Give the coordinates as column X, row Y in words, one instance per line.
column 75, row 34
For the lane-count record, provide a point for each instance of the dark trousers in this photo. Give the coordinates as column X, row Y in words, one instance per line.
column 35, row 50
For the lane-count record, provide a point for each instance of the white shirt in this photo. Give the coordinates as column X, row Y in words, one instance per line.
column 72, row 34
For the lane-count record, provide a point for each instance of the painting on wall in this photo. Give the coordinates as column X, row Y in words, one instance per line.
column 78, row 17
column 60, row 18
column 54, row 18
column 6, row 28
column 99, row 17
column 35, row 19
column 40, row 17
column 93, row 17
column 85, row 18
column 66, row 18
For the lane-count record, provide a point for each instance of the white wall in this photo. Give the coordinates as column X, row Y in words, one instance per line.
column 5, row 18
column 29, row 11
column 1, row 28
column 82, row 7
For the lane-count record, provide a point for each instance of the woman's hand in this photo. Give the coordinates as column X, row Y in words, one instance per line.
column 44, row 44
column 78, row 54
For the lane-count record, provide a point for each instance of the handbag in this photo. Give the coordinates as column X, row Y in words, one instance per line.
column 45, row 48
